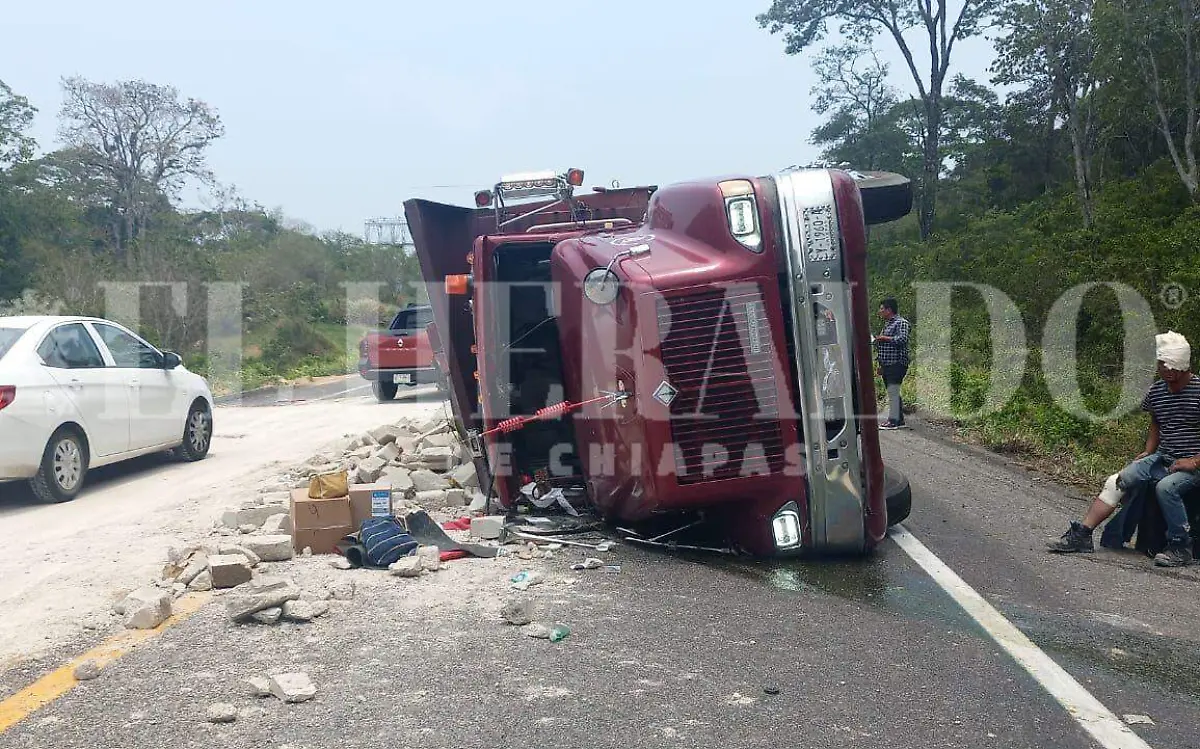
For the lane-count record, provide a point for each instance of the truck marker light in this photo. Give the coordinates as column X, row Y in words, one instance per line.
column 575, row 177
column 458, row 285
column 483, row 198
column 8, row 394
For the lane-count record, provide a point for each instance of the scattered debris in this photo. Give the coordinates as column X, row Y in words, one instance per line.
column 1136, row 720
column 146, row 608
column 260, row 594
column 525, row 579
column 293, row 688
column 259, row 686
column 340, row 563
column 430, row 558
column 304, row 611
column 410, row 566
column 222, row 712
column 537, row 631
column 86, row 671
column 771, row 689
column 268, row 616
column 517, row 611
column 591, row 563
column 229, row 570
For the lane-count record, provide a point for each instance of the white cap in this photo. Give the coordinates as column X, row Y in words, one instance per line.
column 1173, row 350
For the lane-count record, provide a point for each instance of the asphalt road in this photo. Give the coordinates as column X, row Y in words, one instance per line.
column 676, row 651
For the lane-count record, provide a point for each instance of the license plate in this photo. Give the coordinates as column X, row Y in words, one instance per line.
column 401, row 379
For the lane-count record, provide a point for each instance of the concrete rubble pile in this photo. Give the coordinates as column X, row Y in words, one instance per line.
column 408, row 466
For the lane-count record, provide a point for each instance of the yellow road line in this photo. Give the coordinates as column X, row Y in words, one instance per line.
column 62, row 679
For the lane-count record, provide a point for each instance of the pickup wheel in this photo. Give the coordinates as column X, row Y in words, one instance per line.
column 384, row 391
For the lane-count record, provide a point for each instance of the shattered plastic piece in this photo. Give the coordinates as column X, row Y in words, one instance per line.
column 590, row 563
column 559, row 632
column 524, row 579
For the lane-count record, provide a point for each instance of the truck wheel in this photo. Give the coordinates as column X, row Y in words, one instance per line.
column 64, row 466
column 384, row 391
column 898, row 494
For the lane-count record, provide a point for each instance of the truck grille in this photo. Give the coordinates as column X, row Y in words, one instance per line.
column 719, row 356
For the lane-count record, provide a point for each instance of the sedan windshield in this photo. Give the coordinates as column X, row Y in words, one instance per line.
column 8, row 336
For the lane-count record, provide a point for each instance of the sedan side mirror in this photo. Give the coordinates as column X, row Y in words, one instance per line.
column 171, row 360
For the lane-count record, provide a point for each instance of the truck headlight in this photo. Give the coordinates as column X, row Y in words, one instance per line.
column 741, row 213
column 785, row 526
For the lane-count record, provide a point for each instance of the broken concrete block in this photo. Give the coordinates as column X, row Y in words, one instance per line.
column 250, row 713
column 259, row 686
column 86, row 671
column 277, row 524
column 385, row 434
column 229, row 571
column 430, row 557
column 362, row 453
column 411, row 566
column 268, row 616
column 425, row 480
column 250, row 598
column 464, row 476
column 517, row 611
column 432, row 500
column 247, row 529
column 235, row 549
column 388, row 452
column 272, row 548
column 203, row 581
column 146, row 608
column 537, row 630
column 407, row 443
column 293, row 687
column 198, row 564
column 222, row 712
column 253, row 514
column 304, row 611
column 478, row 503
column 369, row 470
column 488, row 526
column 399, row 479
column 442, row 439
column 455, row 498
column 439, row 458
column 341, row 563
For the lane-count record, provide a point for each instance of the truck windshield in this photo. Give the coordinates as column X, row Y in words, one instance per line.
column 8, row 337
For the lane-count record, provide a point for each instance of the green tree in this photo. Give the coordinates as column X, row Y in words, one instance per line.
column 1049, row 45
column 805, row 22
column 861, row 130
column 1155, row 46
column 139, row 143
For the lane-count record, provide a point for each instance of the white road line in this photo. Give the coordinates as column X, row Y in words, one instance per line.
column 1104, row 726
column 340, row 393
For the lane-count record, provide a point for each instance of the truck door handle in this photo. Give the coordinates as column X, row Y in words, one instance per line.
column 75, row 384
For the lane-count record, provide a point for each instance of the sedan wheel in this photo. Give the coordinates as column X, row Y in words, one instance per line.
column 64, row 466
column 197, row 433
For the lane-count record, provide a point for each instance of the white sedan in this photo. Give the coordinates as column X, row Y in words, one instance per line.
column 79, row 393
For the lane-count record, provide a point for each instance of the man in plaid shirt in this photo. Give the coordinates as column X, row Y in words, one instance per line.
column 891, row 346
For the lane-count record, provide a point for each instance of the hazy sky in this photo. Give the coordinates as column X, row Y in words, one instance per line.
column 342, row 110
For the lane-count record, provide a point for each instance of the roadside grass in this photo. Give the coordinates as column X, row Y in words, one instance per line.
column 281, row 354
column 1030, row 428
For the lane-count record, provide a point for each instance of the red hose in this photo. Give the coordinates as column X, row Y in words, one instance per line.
column 549, row 412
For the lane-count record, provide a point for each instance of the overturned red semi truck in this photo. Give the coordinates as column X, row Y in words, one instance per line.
column 700, row 350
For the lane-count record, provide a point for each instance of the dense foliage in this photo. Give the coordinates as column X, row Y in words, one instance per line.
column 105, row 208
column 1085, row 172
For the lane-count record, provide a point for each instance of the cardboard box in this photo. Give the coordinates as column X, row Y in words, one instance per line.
column 368, row 501
column 316, row 514
column 320, row 540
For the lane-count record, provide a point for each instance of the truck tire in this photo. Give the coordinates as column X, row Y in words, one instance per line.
column 898, row 493
column 64, row 466
column 384, row 391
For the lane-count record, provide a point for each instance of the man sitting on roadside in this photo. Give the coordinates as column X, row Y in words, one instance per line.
column 1170, row 463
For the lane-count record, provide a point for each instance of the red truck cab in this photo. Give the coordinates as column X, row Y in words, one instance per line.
column 699, row 351
column 400, row 355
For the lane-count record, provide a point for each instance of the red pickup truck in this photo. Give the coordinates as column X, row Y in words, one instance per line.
column 400, row 355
